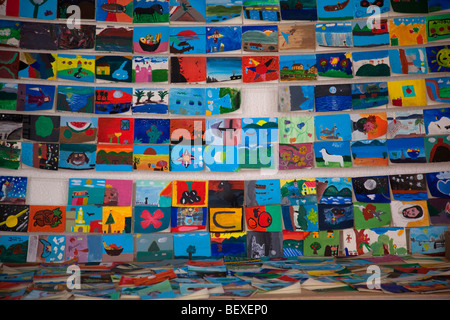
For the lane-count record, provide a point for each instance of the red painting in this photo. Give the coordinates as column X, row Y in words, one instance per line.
column 260, row 68
column 188, row 69
column 116, row 130
column 183, row 130
column 47, row 219
column 190, row 193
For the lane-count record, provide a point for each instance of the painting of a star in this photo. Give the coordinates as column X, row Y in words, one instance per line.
column 260, row 68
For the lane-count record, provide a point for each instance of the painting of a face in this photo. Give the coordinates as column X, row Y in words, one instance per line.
column 412, row 212
column 443, row 57
column 111, row 196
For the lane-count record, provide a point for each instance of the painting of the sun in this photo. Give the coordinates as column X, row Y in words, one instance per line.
column 438, row 58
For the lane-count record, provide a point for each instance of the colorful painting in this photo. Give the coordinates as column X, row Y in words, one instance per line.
column 75, row 99
column 223, row 10
column 84, row 248
column 266, row 10
column 367, row 126
column 223, row 132
column 86, row 192
column 40, row 155
column 223, row 39
column 300, row 217
column 150, row 40
column 187, row 69
column 377, row 241
column 336, row 97
column 10, row 33
column 78, row 129
column 369, row 215
column 113, row 69
column 264, row 244
column 192, row 245
column 150, row 11
column 298, row 10
column 225, row 219
column 185, row 219
column 14, row 248
column 222, row 158
column 225, row 193
column 84, row 219
column 46, row 248
column 298, row 67
column 405, row 124
column 335, row 65
column 371, row 189
column 260, row 68
column 263, row 218
column 150, row 101
column 37, row 65
column 437, row 148
column 257, row 38
column 152, row 131
column 409, row 213
column 371, row 64
column 409, row 187
column 77, row 156
column 77, row 37
column 259, row 130
column 113, row 100
column 12, row 125
column 117, row 219
column 114, row 39
column 428, row 240
column 437, row 121
column 189, row 193
column 154, row 193
column 117, row 247
column 408, row 61
column 406, row 150
column 437, row 27
column 369, row 34
column 187, row 40
column 114, row 157
column 369, row 95
column 47, row 219
column 298, row 191
column 229, row 244
column 13, row 189
column 8, row 96
column 333, row 154
column 31, row 97
column 296, row 37
column 151, row 157
column 186, row 157
column 296, row 156
column 407, row 31
column 14, row 217
column 296, row 98
column 334, row 190
column 407, row 93
column 296, row 129
column 333, row 127
column 262, row 192
column 335, row 10
column 334, row 35
column 222, row 100
column 187, row 10
column 438, row 184
column 370, row 152
column 115, row 130
column 117, row 11
column 293, row 243
column 437, row 59
column 321, row 243
column 38, row 10
column 150, row 69
column 223, row 69
column 187, row 130
column 154, row 247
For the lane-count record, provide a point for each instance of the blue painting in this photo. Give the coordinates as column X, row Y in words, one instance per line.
column 13, row 189
column 192, row 245
column 75, row 99
column 371, row 63
column 370, row 152
column 223, row 69
column 186, row 158
column 428, row 240
column 335, row 65
column 437, row 121
column 369, row 95
column 84, row 218
column 333, row 154
column 371, row 189
column 223, row 39
column 335, row 10
column 408, row 61
column 335, row 216
column 150, row 100
column 267, row 10
column 222, row 10
column 437, row 89
column 262, row 192
column 259, row 130
column 35, row 97
column 222, row 100
column 334, row 190
column 296, row 98
column 439, row 184
column 406, row 150
column 298, row 10
column 408, row 187
column 152, row 131
column 187, row 101
column 334, row 34
column 77, row 156
column 367, row 34
column 222, row 158
column 336, row 97
column 187, row 40
column 438, row 58
column 151, row 39
column 333, row 127
column 46, row 10
column 156, row 193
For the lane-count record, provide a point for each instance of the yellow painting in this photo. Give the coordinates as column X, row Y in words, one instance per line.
column 407, row 31
column 76, row 67
column 225, row 219
column 117, row 219
column 407, row 93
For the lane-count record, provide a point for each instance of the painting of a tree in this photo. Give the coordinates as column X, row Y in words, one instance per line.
column 315, row 246
column 191, row 250
column 110, row 221
column 139, row 94
column 37, row 4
